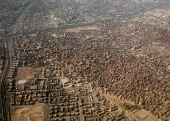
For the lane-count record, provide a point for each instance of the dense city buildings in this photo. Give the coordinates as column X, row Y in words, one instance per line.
column 83, row 60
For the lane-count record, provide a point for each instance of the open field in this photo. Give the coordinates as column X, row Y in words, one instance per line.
column 28, row 113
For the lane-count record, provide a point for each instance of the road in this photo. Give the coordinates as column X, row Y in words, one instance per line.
column 48, row 29
column 4, row 96
column 161, row 19
column 18, row 18
column 155, row 7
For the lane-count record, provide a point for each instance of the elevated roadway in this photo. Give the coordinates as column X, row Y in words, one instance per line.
column 4, row 95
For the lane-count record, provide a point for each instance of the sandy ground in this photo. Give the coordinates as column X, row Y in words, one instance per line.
column 28, row 113
column 64, row 80
column 168, row 67
column 144, row 114
column 27, row 72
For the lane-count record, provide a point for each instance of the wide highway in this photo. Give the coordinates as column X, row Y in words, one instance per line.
column 4, row 96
